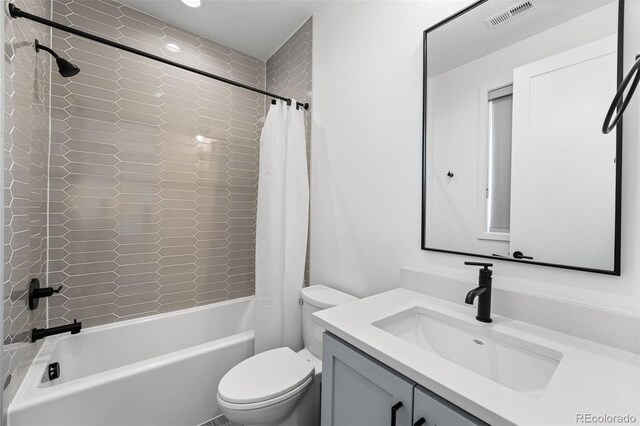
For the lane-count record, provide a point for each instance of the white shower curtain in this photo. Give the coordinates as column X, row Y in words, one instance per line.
column 281, row 228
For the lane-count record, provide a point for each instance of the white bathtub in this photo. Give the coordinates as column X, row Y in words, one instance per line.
column 159, row 370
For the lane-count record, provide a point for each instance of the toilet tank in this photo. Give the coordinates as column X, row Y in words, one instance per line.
column 316, row 298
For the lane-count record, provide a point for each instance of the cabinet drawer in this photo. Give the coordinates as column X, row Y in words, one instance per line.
column 439, row 412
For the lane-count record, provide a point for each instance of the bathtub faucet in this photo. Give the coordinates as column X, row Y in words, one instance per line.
column 41, row 333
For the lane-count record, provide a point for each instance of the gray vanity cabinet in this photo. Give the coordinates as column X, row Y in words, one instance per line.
column 359, row 391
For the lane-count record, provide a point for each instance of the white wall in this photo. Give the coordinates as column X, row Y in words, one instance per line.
column 366, row 160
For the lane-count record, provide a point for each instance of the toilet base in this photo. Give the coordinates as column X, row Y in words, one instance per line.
column 307, row 412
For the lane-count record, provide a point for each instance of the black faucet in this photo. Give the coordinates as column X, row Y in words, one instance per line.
column 483, row 292
column 41, row 333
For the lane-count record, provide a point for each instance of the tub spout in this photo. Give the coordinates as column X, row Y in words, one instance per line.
column 41, row 333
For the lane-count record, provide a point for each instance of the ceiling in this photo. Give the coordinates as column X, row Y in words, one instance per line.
column 467, row 37
column 255, row 27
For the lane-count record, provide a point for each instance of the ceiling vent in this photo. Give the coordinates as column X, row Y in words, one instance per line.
column 508, row 14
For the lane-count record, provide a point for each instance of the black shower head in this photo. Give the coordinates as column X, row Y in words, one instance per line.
column 65, row 68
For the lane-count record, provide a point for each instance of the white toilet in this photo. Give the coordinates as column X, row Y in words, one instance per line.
column 281, row 387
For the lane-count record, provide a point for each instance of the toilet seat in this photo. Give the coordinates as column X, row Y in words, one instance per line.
column 265, row 379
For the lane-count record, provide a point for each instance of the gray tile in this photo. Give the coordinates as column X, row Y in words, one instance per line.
column 288, row 72
column 220, row 421
column 26, row 147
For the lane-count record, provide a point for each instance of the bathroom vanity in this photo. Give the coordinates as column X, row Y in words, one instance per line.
column 354, row 379
column 403, row 356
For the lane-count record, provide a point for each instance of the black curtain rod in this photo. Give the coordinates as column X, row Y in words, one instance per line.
column 15, row 12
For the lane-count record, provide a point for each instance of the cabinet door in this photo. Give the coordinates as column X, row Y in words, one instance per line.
column 359, row 391
column 431, row 410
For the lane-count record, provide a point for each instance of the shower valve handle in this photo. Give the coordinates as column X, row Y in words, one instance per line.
column 46, row 291
column 35, row 292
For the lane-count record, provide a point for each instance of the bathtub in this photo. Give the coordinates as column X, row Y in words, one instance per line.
column 159, row 370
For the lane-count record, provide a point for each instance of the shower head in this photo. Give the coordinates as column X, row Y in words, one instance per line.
column 65, row 68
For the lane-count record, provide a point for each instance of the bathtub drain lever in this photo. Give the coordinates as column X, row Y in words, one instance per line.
column 53, row 370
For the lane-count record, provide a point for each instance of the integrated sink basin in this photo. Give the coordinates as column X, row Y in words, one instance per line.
column 516, row 363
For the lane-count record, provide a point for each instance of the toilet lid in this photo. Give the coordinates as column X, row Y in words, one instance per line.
column 264, row 376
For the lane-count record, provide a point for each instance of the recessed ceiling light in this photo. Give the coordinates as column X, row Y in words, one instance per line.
column 192, row 3
column 172, row 47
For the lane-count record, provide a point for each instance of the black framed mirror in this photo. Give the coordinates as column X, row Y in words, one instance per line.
column 515, row 166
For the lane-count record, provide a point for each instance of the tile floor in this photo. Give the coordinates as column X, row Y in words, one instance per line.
column 220, row 421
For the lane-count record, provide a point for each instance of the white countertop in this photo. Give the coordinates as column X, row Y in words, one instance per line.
column 591, row 378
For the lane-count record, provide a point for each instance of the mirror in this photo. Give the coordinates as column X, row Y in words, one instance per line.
column 515, row 166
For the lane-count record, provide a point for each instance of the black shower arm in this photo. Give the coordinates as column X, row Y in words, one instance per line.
column 46, row 49
column 620, row 103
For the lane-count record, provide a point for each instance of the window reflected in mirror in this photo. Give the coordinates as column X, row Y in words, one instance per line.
column 498, row 169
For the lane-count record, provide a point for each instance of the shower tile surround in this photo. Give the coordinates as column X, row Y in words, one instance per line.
column 26, row 150
column 153, row 169
column 289, row 74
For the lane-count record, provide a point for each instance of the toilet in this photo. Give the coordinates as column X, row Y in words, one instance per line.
column 280, row 386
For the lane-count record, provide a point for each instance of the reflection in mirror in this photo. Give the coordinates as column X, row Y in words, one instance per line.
column 516, row 165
